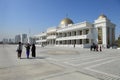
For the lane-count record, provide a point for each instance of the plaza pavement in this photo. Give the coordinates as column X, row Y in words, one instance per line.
column 54, row 63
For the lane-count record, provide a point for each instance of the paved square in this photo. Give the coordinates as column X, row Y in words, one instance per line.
column 72, row 76
column 53, row 63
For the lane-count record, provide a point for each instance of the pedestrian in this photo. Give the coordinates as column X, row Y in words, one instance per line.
column 96, row 47
column 100, row 48
column 91, row 48
column 27, row 49
column 74, row 45
column 19, row 50
column 33, row 50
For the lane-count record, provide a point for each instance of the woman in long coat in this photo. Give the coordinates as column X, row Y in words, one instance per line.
column 33, row 50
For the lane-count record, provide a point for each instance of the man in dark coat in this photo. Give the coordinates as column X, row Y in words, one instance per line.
column 33, row 50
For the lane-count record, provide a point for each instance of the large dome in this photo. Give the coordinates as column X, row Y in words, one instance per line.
column 66, row 21
column 102, row 16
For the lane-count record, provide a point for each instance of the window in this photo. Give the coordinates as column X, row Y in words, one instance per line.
column 80, row 32
column 87, row 40
column 74, row 32
column 70, row 33
column 99, row 35
column 80, row 41
column 87, row 31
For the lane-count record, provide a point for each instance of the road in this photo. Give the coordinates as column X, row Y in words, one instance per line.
column 53, row 63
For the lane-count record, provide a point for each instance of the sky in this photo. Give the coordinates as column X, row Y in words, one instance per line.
column 35, row 16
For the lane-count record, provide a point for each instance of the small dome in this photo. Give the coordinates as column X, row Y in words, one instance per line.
column 66, row 21
column 102, row 16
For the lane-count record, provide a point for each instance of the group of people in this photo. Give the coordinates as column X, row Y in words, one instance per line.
column 95, row 47
column 27, row 46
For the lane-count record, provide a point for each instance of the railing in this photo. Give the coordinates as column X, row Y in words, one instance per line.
column 74, row 37
column 44, row 40
column 76, row 46
column 51, row 37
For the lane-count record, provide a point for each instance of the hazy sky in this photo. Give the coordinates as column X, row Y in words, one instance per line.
column 22, row 16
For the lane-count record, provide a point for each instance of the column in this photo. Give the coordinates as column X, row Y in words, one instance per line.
column 67, row 42
column 83, row 41
column 104, row 33
column 72, row 33
column 77, row 41
column 67, row 34
column 110, row 36
column 52, row 41
column 62, row 34
column 57, row 36
column 77, row 32
column 82, row 32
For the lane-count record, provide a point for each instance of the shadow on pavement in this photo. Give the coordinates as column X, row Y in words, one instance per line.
column 34, row 58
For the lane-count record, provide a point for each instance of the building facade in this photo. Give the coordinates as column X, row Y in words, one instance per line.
column 21, row 38
column 83, row 34
column 24, row 38
column 17, row 38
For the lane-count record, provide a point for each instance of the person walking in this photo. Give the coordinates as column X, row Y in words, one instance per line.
column 96, row 47
column 100, row 48
column 74, row 45
column 91, row 47
column 33, row 50
column 19, row 50
column 27, row 50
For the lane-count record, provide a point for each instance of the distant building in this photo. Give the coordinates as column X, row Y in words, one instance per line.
column 83, row 34
column 24, row 38
column 21, row 38
column 5, row 40
column 11, row 40
column 17, row 38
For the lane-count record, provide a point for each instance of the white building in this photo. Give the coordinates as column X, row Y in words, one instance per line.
column 83, row 34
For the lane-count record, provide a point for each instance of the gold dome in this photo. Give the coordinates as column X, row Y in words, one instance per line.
column 102, row 16
column 66, row 21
